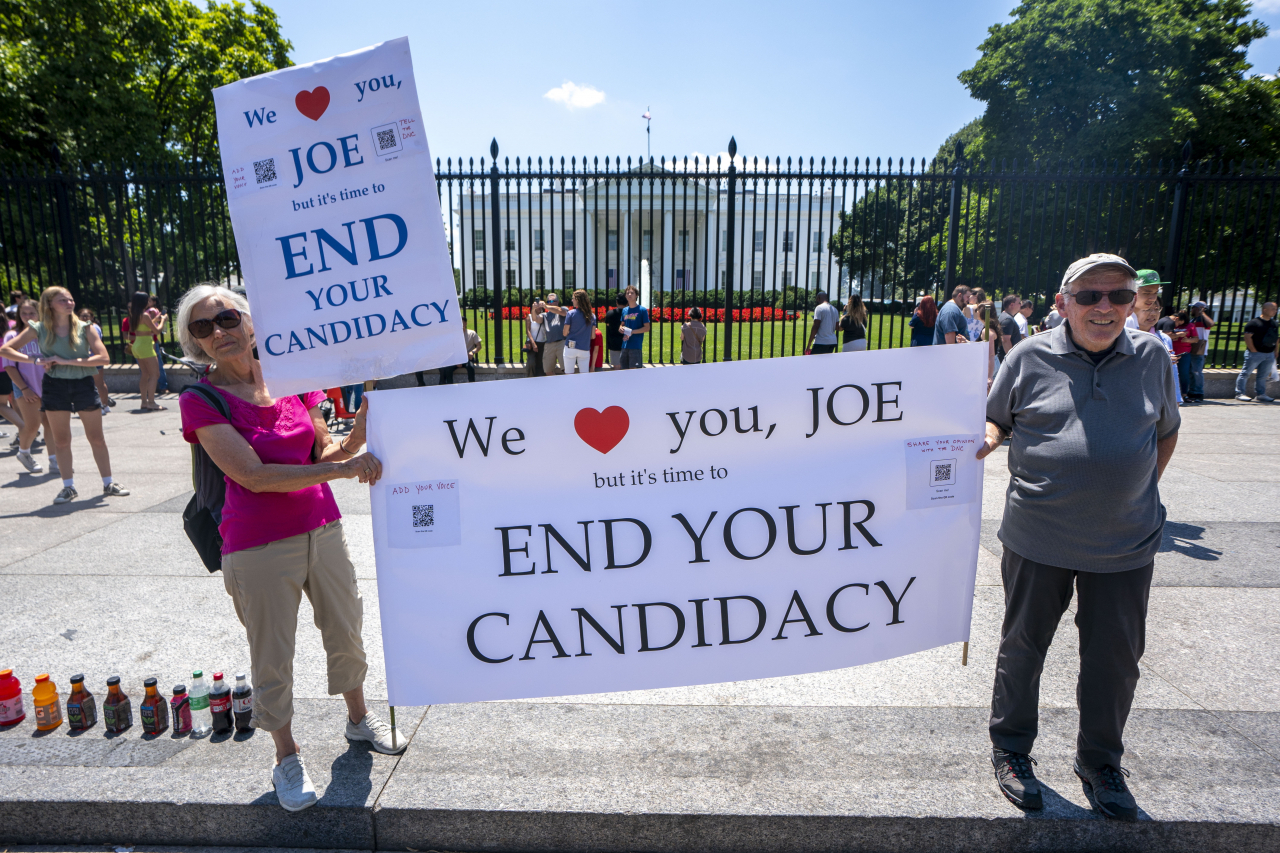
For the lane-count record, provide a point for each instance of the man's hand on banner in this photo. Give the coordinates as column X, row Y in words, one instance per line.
column 995, row 438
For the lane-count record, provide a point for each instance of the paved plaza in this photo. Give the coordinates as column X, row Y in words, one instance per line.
column 891, row 756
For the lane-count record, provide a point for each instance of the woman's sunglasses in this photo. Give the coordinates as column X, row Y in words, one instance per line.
column 1093, row 297
column 228, row 319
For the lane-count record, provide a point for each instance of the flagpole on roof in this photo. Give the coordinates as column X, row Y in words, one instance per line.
column 648, row 138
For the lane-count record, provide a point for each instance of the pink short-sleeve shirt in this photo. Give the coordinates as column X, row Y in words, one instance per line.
column 281, row 434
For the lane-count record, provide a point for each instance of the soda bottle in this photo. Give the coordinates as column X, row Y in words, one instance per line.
column 117, row 710
column 220, row 704
column 181, row 710
column 201, row 721
column 82, row 708
column 242, row 703
column 11, row 710
column 154, row 711
column 48, row 706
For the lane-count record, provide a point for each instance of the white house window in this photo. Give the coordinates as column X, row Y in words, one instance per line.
column 788, row 241
column 569, row 277
column 479, row 279
column 477, row 239
column 817, row 241
column 646, row 242
column 611, row 241
column 759, row 242
column 511, row 278
column 815, row 280
column 568, row 239
column 757, row 279
column 683, row 243
column 511, row 240
column 786, row 278
column 537, row 240
column 539, row 277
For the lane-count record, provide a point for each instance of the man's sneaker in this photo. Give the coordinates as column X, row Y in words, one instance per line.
column 67, row 494
column 1244, row 398
column 1263, row 398
column 293, row 785
column 32, row 466
column 1107, row 791
column 377, row 733
column 1016, row 779
column 115, row 490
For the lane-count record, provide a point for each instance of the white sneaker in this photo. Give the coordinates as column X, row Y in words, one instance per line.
column 1263, row 398
column 1245, row 398
column 293, row 786
column 377, row 733
column 32, row 466
column 115, row 490
column 106, row 410
column 67, row 494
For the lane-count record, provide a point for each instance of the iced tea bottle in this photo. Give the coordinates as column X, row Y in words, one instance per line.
column 117, row 711
column 44, row 696
column 11, row 710
column 181, row 710
column 82, row 708
column 154, row 710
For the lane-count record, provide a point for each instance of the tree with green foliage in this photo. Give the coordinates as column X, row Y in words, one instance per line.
column 107, row 81
column 1123, row 79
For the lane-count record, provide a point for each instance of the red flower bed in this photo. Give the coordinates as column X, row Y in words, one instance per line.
column 674, row 315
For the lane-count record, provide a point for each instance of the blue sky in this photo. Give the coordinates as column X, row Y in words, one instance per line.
column 851, row 78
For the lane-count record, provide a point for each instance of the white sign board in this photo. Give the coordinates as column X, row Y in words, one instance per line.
column 676, row 526
column 337, row 221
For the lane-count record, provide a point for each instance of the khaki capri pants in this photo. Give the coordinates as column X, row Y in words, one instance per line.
column 266, row 584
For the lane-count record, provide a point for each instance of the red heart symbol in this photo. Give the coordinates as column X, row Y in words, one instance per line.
column 312, row 104
column 602, row 430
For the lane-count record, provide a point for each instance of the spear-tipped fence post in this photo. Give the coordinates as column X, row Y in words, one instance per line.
column 1179, row 215
column 499, row 284
column 953, row 231
column 728, row 248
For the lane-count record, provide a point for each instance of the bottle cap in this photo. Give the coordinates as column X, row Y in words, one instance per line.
column 113, row 681
column 150, row 682
column 77, row 679
column 179, row 689
column 217, row 676
column 240, row 676
column 199, row 673
column 5, row 673
column 44, row 676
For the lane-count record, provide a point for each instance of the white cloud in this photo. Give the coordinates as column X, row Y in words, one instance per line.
column 1266, row 5
column 575, row 97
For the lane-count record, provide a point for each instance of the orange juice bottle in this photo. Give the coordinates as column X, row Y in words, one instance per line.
column 48, row 706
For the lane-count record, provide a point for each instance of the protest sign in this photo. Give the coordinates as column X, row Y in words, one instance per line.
column 337, row 221
column 665, row 527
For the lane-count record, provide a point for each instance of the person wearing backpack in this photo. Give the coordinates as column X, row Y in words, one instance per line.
column 280, row 526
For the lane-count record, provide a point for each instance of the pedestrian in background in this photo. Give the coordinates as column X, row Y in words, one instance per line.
column 579, row 323
column 553, row 328
column 1148, row 295
column 473, row 344
column 162, row 375
column 1053, row 319
column 535, row 338
column 977, row 298
column 27, row 381
column 822, row 335
column 1183, row 337
column 1261, row 341
column 1200, row 324
column 99, row 378
column 634, row 326
column 853, row 324
column 613, row 331
column 1091, row 415
column 1010, row 333
column 72, row 351
column 1021, row 315
column 145, row 323
column 922, row 322
column 951, row 327
column 692, row 334
column 989, row 336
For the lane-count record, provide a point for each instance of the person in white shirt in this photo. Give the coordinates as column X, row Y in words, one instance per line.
column 1024, row 311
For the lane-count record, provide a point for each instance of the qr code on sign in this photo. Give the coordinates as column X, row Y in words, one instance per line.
column 386, row 139
column 264, row 171
column 942, row 473
column 424, row 515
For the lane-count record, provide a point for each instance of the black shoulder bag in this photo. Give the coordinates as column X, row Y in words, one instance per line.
column 204, row 511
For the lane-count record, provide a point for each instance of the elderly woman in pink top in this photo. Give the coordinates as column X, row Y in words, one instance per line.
column 281, row 529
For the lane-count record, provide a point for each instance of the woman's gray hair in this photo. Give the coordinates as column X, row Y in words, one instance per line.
column 190, row 344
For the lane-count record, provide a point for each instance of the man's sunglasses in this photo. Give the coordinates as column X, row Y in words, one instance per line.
column 1093, row 297
column 228, row 319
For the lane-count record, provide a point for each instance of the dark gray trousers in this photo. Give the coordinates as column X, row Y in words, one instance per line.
column 1111, row 615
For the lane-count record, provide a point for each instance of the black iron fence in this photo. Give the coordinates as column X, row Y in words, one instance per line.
column 746, row 241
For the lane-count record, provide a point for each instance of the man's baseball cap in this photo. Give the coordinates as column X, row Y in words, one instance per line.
column 1148, row 278
column 1094, row 261
column 1199, row 304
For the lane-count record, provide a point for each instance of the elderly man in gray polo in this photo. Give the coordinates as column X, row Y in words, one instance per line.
column 1091, row 414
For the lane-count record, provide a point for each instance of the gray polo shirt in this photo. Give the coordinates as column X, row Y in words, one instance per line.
column 1082, row 454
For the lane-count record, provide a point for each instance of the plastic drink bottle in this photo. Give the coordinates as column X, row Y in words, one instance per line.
column 154, row 711
column 44, row 696
column 117, row 710
column 242, row 703
column 11, row 710
column 181, row 710
column 82, row 708
column 201, row 721
column 220, row 704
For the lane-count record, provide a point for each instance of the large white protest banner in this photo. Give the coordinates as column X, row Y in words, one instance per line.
column 677, row 526
column 337, row 221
